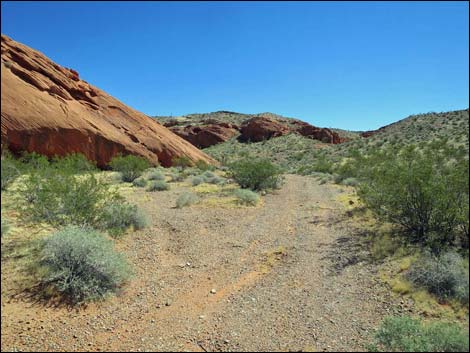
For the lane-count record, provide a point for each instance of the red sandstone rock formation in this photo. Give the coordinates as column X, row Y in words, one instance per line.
column 206, row 135
column 48, row 109
column 261, row 128
column 322, row 134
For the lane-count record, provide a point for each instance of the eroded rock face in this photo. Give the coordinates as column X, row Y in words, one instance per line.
column 323, row 134
column 206, row 135
column 48, row 109
column 261, row 128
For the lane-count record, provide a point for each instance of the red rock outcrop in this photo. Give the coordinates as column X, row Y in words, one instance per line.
column 48, row 109
column 206, row 135
column 261, row 128
column 323, row 134
column 368, row 133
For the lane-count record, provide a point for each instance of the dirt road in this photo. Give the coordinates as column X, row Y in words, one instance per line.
column 277, row 277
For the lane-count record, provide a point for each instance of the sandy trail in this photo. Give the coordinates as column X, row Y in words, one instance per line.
column 273, row 268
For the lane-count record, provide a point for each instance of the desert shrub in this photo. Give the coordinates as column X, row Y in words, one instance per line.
column 115, row 178
column 425, row 190
column 321, row 164
column 73, row 163
column 325, row 179
column 82, row 264
column 197, row 180
column 208, row 174
column 350, row 182
column 9, row 171
column 131, row 167
column 202, row 165
column 177, row 177
column 445, row 275
column 158, row 185
column 186, row 199
column 182, row 162
column 34, row 161
column 116, row 218
column 405, row 334
column 247, row 197
column 62, row 198
column 256, row 174
column 140, row 182
column 189, row 172
column 213, row 179
column 155, row 175
column 5, row 226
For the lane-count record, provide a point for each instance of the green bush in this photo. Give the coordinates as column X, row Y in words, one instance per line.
column 445, row 275
column 405, row 334
column 202, row 165
column 425, row 190
column 62, row 199
column 182, row 162
column 158, row 185
column 321, row 164
column 186, row 199
column 131, row 167
column 34, row 161
column 350, row 182
column 73, row 163
column 256, row 174
column 207, row 174
column 116, row 218
column 9, row 171
column 247, row 197
column 82, row 264
column 140, row 182
column 5, row 226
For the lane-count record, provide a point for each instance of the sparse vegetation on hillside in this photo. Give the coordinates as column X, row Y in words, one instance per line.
column 301, row 155
column 423, row 189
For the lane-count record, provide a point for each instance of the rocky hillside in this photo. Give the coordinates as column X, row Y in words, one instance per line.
column 49, row 109
column 298, row 154
column 204, row 130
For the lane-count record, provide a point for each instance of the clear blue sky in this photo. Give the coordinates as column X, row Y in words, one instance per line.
column 351, row 65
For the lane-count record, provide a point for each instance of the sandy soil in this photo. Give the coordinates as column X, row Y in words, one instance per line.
column 284, row 276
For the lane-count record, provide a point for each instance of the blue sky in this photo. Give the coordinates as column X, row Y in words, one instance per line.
column 351, row 65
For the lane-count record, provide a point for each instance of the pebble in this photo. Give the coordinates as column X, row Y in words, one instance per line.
column 213, row 291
